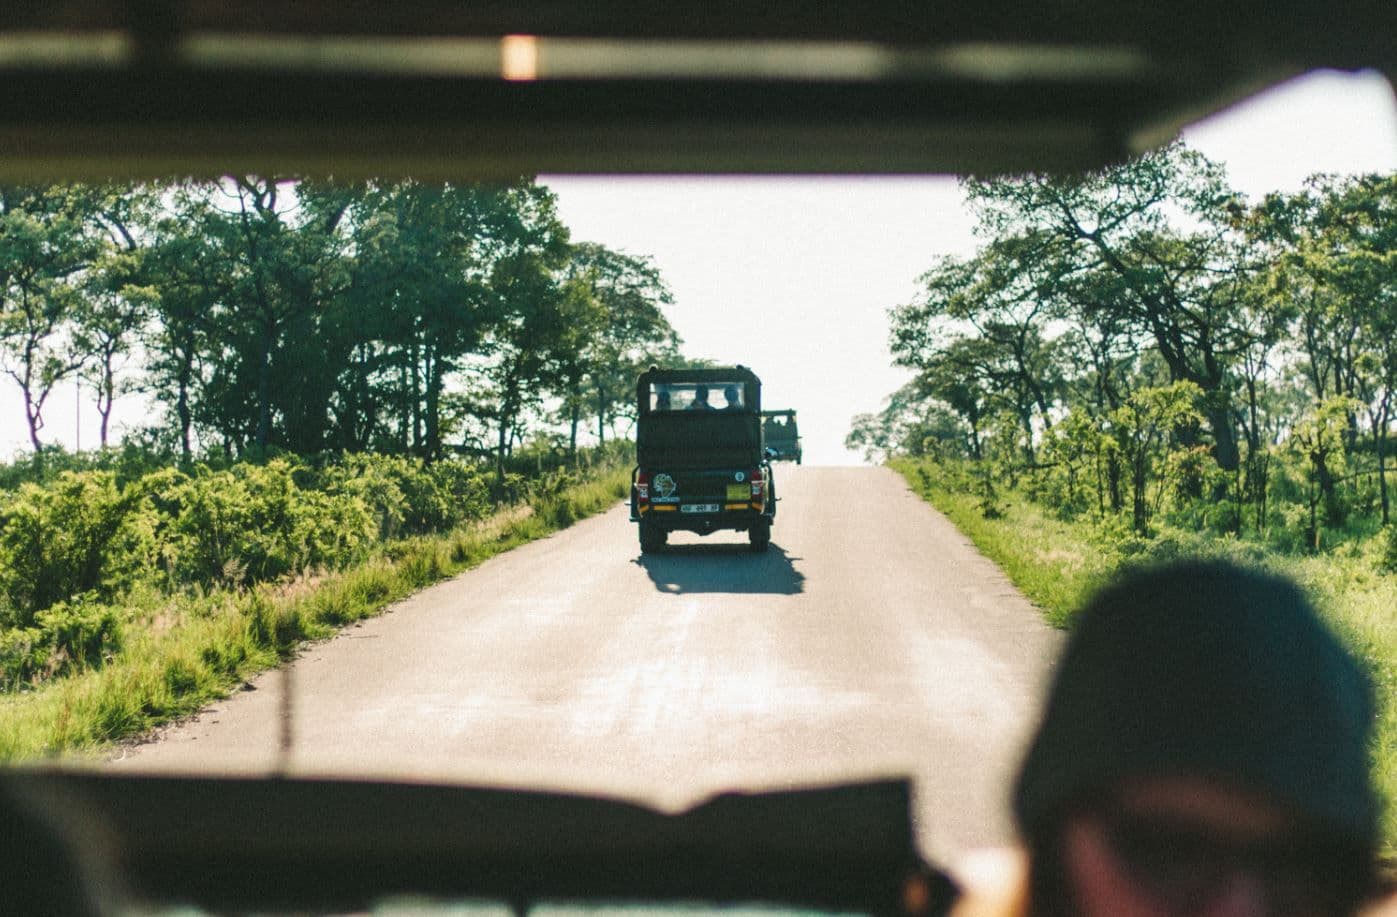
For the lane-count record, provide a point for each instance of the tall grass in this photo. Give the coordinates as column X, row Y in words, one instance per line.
column 1058, row 563
column 181, row 652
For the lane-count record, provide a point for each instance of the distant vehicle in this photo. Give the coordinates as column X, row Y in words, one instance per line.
column 700, row 464
column 779, row 433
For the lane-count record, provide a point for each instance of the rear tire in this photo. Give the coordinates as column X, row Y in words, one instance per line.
column 652, row 538
column 760, row 535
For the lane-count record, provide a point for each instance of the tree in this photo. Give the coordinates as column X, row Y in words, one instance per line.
column 185, row 268
column 523, row 347
column 48, row 242
column 912, row 423
column 115, row 305
column 1318, row 437
column 1335, row 244
column 423, row 258
column 977, row 342
column 1140, row 428
column 616, row 327
column 1183, row 287
column 284, row 263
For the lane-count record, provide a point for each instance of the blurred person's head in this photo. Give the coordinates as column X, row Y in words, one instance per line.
column 1203, row 750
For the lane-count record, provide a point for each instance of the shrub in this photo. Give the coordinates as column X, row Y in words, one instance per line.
column 81, row 634
column 406, row 496
column 78, row 535
column 23, row 653
column 243, row 525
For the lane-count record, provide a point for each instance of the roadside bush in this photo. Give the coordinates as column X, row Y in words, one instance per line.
column 80, row 534
column 23, row 653
column 81, row 634
column 466, row 490
column 375, row 480
column 253, row 523
column 406, row 496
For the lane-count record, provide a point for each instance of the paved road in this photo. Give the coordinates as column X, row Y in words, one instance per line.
column 871, row 640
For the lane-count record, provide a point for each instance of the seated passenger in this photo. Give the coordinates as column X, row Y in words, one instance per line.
column 700, row 402
column 1203, row 750
column 732, row 399
column 662, row 402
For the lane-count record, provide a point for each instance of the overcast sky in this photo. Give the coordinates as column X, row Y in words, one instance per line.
column 794, row 276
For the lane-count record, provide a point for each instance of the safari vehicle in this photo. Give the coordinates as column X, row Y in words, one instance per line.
column 700, row 464
column 99, row 89
column 781, row 435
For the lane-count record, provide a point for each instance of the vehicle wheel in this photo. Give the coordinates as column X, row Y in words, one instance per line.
column 652, row 538
column 760, row 534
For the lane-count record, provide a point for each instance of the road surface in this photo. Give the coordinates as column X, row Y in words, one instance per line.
column 871, row 640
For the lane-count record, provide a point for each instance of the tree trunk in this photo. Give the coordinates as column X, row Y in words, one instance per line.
column 573, row 422
column 601, row 416
column 106, row 395
column 434, row 384
column 264, row 391
column 1139, row 507
column 416, row 409
column 1380, row 446
column 1113, row 482
column 186, row 370
column 33, row 413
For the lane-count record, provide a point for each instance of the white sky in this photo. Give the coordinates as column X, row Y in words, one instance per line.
column 794, row 276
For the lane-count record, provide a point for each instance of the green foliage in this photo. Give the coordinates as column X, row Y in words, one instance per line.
column 82, row 633
column 1389, row 551
column 253, row 523
column 23, row 654
column 79, row 535
column 306, row 317
column 1143, row 342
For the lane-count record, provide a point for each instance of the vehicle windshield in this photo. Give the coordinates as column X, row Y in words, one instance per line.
column 337, row 479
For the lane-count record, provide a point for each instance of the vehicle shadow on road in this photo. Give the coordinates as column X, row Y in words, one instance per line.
column 689, row 568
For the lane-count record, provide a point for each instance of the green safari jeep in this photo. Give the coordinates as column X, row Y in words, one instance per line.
column 781, row 435
column 700, row 462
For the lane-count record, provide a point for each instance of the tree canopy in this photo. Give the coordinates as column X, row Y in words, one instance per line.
column 260, row 314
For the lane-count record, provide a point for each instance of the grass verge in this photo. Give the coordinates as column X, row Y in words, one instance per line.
column 183, row 652
column 1057, row 564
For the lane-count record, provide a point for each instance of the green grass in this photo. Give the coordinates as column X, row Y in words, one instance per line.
column 1057, row 564
column 181, row 653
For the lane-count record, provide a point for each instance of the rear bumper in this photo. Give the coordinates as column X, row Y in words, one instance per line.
column 673, row 519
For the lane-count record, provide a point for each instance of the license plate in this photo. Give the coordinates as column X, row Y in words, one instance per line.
column 699, row 508
column 738, row 493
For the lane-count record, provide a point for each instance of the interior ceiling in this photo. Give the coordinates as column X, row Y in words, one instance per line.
column 90, row 88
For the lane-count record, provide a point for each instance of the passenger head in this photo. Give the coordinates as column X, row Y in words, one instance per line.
column 731, row 397
column 1204, row 749
column 700, row 394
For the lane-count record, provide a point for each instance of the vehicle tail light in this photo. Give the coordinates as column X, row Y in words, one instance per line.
column 642, row 487
column 758, row 483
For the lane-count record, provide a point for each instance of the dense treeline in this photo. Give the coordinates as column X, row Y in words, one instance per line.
column 306, row 317
column 1146, row 345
